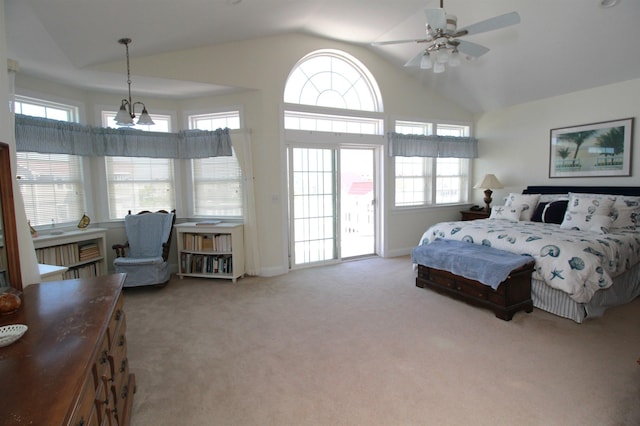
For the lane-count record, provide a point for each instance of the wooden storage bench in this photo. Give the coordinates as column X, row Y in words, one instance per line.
column 511, row 296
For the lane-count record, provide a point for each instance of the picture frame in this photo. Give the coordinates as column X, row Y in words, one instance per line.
column 591, row 150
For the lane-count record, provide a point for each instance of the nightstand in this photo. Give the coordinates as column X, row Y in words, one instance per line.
column 474, row 214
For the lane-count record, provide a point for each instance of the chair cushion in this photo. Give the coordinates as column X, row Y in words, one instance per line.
column 134, row 261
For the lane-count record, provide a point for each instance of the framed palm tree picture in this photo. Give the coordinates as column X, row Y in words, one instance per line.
column 588, row 150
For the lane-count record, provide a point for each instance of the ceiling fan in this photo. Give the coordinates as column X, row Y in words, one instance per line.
column 442, row 40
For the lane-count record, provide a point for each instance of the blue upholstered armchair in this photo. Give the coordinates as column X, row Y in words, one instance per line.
column 144, row 257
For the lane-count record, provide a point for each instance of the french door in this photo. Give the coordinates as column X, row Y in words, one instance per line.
column 332, row 204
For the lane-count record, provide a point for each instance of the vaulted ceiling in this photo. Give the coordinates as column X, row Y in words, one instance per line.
column 558, row 47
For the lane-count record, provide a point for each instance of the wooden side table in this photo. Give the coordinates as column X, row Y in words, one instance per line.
column 474, row 214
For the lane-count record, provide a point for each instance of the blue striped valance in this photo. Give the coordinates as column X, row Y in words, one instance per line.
column 401, row 145
column 34, row 134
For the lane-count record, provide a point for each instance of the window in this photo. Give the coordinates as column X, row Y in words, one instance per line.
column 51, row 184
column 217, row 181
column 45, row 109
column 423, row 181
column 139, row 183
column 332, row 80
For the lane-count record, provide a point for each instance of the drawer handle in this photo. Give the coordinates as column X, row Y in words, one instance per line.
column 81, row 422
column 103, row 357
column 118, row 315
column 123, row 366
column 121, row 340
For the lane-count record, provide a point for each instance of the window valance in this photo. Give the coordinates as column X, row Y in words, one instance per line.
column 432, row 146
column 34, row 134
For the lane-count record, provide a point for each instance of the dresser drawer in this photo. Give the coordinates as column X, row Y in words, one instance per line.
column 116, row 319
column 101, row 363
column 85, row 412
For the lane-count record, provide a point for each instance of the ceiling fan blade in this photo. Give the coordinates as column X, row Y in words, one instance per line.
column 384, row 43
column 415, row 61
column 490, row 24
column 471, row 49
column 436, row 18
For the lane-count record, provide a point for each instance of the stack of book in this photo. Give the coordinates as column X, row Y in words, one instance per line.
column 89, row 251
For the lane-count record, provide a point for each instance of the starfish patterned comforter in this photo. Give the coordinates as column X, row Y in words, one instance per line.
column 576, row 262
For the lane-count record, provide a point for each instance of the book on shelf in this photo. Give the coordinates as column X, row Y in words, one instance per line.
column 207, row 242
column 89, row 251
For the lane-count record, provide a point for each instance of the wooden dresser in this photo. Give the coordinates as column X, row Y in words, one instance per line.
column 70, row 367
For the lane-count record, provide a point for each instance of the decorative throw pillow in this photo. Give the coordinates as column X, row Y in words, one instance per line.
column 511, row 213
column 596, row 223
column 527, row 202
column 537, row 214
column 591, row 203
column 554, row 211
column 626, row 212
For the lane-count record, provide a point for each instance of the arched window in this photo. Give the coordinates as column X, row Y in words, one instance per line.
column 332, row 79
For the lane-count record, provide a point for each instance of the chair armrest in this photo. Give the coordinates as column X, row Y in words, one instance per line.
column 165, row 250
column 121, row 249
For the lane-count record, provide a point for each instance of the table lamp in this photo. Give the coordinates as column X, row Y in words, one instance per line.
column 488, row 181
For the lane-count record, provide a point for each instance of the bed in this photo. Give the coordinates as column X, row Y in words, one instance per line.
column 585, row 242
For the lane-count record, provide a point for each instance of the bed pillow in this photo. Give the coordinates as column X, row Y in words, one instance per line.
column 511, row 213
column 591, row 203
column 554, row 211
column 527, row 202
column 626, row 212
column 595, row 223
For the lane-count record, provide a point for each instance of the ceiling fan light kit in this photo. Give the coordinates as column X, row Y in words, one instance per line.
column 442, row 39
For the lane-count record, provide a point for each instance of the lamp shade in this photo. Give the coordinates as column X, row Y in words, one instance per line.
column 489, row 181
column 145, row 118
column 123, row 118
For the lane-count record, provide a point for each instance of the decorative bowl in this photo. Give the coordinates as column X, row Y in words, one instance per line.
column 11, row 333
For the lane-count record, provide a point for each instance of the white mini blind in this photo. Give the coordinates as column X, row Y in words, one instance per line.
column 217, row 183
column 51, row 186
column 137, row 183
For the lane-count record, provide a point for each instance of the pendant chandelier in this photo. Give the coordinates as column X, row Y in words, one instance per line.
column 127, row 113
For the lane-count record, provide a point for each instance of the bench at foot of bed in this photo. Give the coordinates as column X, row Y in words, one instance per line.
column 511, row 296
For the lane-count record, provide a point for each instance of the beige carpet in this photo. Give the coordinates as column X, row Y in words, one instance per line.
column 359, row 344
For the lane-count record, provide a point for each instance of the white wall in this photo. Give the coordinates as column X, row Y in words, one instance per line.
column 514, row 142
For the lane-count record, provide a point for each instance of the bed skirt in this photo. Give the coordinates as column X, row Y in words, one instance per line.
column 625, row 288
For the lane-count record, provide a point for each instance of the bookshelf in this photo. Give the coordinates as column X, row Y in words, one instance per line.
column 82, row 252
column 210, row 250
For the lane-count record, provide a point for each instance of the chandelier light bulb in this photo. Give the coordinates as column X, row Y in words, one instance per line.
column 426, row 62
column 454, row 60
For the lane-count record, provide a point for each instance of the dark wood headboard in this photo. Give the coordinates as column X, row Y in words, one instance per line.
column 615, row 190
